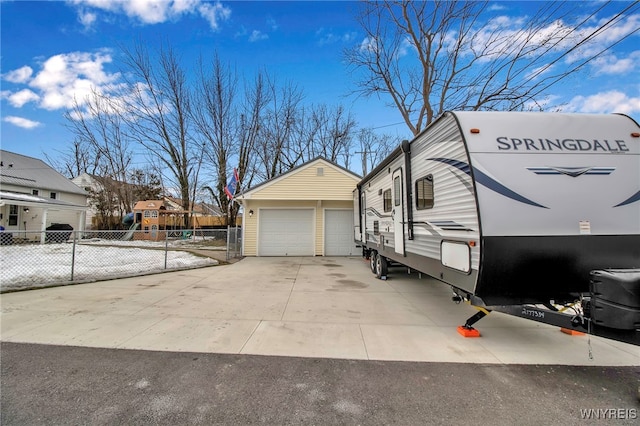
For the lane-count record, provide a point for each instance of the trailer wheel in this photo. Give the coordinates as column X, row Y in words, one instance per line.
column 382, row 267
column 372, row 261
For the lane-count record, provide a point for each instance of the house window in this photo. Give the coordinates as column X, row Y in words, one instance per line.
column 147, row 213
column 154, row 213
column 424, row 193
column 53, row 195
column 146, row 229
column 34, row 192
column 397, row 188
column 13, row 215
column 386, row 199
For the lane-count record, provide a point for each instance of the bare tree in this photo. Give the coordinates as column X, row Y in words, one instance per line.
column 97, row 124
column 214, row 113
column 75, row 160
column 158, row 113
column 427, row 57
column 252, row 114
column 333, row 130
column 277, row 127
column 146, row 184
column 374, row 147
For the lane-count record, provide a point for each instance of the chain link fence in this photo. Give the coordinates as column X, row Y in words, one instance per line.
column 35, row 259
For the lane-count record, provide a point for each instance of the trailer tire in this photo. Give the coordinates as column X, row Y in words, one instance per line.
column 382, row 267
column 372, row 260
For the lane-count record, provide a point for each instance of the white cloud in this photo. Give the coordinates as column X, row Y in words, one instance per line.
column 148, row 11
column 21, row 97
column 272, row 24
column 504, row 21
column 611, row 64
column 350, row 36
column 326, row 37
column 61, row 80
column 605, row 102
column 181, row 6
column 369, row 44
column 257, row 35
column 405, row 46
column 87, row 19
column 504, row 36
column 548, row 103
column 151, row 11
column 21, row 75
column 214, row 14
column 21, row 122
column 538, row 72
column 68, row 77
column 496, row 6
column 242, row 31
column 603, row 39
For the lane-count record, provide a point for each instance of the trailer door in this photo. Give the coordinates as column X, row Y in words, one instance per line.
column 363, row 217
column 398, row 212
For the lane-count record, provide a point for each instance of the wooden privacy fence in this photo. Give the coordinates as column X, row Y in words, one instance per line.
column 173, row 221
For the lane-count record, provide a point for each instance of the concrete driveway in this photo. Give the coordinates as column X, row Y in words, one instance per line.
column 307, row 307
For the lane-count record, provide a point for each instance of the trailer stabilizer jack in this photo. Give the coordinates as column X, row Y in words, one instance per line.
column 468, row 332
column 467, row 329
column 571, row 332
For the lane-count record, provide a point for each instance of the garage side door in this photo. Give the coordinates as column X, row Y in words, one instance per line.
column 285, row 232
column 338, row 233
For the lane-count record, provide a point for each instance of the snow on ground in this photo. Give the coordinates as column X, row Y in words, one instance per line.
column 36, row 265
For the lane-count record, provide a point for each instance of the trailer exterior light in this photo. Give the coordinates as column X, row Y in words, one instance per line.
column 475, row 131
column 472, row 243
column 635, row 135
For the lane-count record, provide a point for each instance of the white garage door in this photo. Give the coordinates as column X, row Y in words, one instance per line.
column 338, row 233
column 285, row 232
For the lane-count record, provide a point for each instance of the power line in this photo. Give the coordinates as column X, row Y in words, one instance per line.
column 589, row 37
column 584, row 63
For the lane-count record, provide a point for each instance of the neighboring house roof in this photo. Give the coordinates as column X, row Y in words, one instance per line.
column 150, row 205
column 310, row 183
column 209, row 209
column 201, row 208
column 87, row 179
column 33, row 173
column 173, row 203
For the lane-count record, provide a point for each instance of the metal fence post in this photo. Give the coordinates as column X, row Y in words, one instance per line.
column 228, row 241
column 166, row 247
column 73, row 254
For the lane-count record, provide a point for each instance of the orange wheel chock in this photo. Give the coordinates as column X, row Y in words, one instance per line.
column 468, row 332
column 571, row 332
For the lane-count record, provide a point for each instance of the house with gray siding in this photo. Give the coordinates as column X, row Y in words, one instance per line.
column 34, row 196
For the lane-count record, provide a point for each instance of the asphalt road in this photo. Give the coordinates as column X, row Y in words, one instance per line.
column 44, row 384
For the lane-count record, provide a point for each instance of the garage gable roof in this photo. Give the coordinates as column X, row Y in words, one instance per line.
column 317, row 179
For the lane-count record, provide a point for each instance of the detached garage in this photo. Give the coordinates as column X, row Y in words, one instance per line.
column 307, row 211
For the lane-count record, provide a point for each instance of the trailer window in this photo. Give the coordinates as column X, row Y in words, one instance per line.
column 424, row 193
column 386, row 197
column 397, row 188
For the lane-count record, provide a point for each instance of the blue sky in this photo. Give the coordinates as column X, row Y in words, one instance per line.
column 53, row 51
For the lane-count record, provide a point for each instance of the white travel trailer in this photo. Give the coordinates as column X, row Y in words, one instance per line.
column 515, row 209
